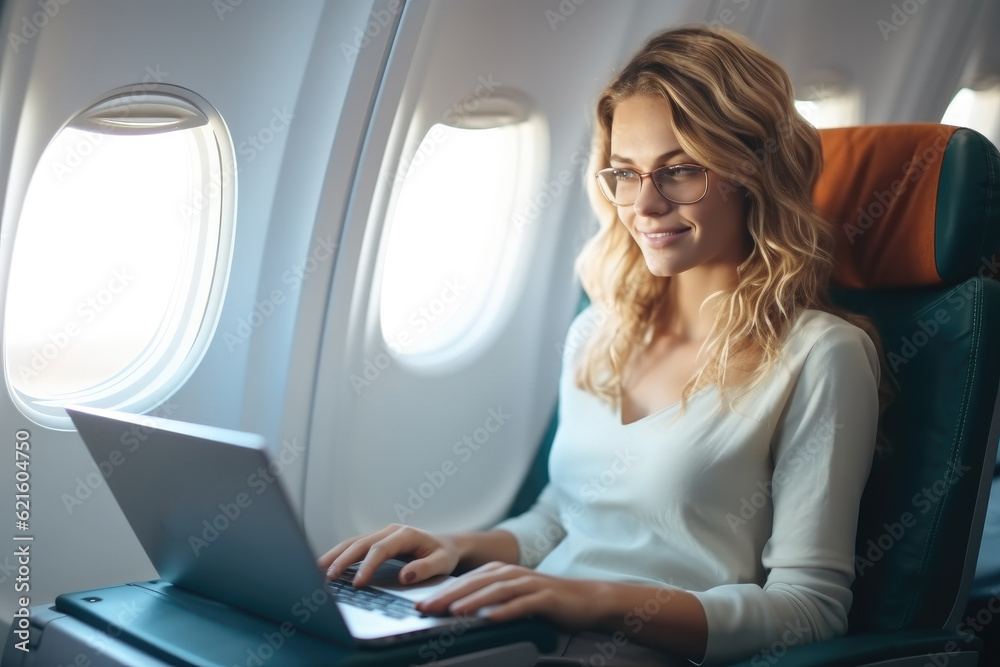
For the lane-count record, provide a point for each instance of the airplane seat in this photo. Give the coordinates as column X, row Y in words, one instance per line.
column 916, row 209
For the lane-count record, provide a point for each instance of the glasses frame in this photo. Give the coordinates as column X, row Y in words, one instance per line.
column 600, row 183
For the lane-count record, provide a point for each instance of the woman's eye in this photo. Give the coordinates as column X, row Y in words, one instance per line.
column 625, row 175
column 681, row 171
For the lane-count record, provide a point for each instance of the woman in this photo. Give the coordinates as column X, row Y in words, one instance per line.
column 718, row 424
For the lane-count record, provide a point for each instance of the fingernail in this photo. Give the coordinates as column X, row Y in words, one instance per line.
column 409, row 577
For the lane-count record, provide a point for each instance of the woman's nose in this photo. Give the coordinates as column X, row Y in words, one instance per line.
column 650, row 202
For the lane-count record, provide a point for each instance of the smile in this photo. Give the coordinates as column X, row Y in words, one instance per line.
column 660, row 235
column 657, row 240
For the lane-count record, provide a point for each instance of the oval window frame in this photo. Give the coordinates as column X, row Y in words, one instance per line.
column 143, row 385
column 505, row 107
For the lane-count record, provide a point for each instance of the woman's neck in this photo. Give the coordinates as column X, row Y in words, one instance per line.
column 689, row 318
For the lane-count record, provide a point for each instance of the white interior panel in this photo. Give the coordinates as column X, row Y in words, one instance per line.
column 906, row 58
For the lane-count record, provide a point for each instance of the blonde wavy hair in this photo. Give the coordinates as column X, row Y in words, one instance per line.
column 732, row 110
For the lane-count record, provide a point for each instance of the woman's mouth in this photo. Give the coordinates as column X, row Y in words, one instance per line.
column 664, row 238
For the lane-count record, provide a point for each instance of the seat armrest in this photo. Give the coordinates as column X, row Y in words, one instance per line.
column 867, row 649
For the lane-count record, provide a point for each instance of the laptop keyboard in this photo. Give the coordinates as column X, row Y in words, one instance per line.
column 393, row 606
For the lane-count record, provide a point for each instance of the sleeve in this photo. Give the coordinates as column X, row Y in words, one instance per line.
column 538, row 530
column 822, row 451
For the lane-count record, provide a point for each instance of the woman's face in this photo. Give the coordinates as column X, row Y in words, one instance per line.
column 674, row 238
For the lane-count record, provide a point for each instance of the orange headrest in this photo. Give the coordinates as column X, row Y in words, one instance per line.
column 913, row 204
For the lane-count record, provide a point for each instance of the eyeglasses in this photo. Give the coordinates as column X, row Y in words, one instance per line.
column 679, row 183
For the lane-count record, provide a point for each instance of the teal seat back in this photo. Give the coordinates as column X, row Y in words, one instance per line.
column 924, row 270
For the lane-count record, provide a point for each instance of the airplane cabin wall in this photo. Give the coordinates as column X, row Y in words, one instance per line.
column 907, row 65
column 251, row 64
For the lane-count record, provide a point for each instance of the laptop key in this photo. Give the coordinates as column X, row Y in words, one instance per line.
column 393, row 606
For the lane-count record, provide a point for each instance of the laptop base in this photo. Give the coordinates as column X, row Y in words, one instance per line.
column 170, row 626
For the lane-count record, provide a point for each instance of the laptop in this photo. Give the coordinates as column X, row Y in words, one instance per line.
column 209, row 507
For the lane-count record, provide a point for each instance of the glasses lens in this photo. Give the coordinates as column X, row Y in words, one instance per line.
column 620, row 186
column 683, row 184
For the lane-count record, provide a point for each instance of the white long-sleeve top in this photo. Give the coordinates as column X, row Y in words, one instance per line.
column 753, row 510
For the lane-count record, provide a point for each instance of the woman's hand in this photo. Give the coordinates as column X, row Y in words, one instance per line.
column 433, row 554
column 511, row 591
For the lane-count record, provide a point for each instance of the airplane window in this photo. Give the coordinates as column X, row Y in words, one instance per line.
column 976, row 109
column 454, row 235
column 120, row 255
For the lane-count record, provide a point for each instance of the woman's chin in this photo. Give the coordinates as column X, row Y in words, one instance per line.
column 662, row 269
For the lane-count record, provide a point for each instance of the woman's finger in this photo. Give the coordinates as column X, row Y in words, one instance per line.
column 326, row 560
column 537, row 602
column 468, row 584
column 353, row 550
column 405, row 541
column 496, row 593
column 437, row 562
